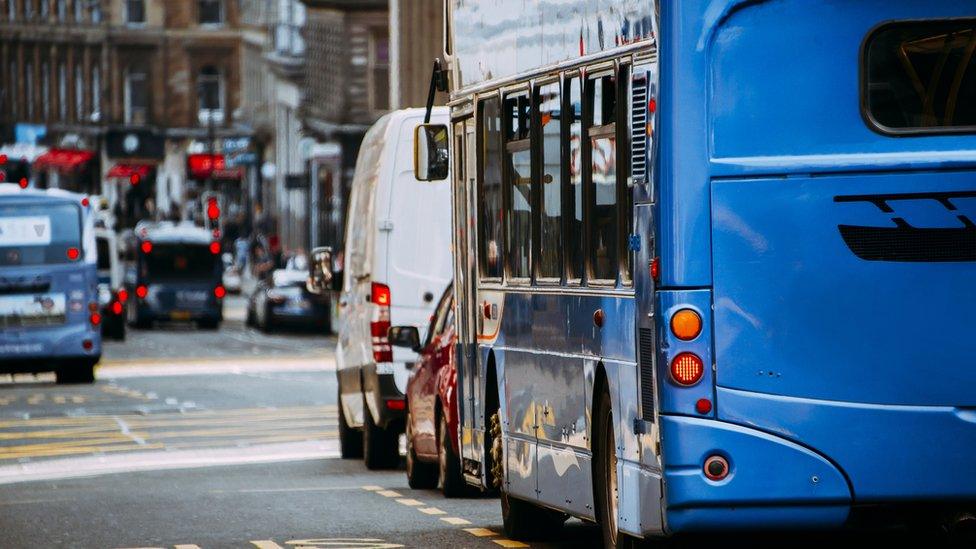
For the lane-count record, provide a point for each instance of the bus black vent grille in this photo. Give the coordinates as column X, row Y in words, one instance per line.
column 647, row 373
column 638, row 130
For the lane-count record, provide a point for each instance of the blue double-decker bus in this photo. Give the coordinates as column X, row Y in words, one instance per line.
column 49, row 312
column 715, row 261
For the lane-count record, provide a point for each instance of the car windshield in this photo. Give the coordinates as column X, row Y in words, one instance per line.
column 179, row 263
column 38, row 234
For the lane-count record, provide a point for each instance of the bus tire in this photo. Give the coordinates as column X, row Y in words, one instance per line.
column 521, row 520
column 605, row 475
column 350, row 440
column 76, row 372
column 380, row 446
column 451, row 478
column 420, row 475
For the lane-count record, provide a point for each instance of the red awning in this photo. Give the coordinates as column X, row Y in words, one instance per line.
column 63, row 160
column 126, row 171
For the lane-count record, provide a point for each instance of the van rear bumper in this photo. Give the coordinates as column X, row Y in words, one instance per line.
column 381, row 394
column 889, row 453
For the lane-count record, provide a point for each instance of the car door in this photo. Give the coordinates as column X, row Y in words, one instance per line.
column 423, row 400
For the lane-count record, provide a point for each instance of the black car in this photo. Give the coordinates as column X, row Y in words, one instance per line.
column 283, row 300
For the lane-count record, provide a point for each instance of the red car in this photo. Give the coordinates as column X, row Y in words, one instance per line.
column 432, row 419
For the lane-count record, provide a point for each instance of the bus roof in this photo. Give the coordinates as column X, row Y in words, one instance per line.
column 11, row 190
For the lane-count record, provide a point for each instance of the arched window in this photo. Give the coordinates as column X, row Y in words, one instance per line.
column 210, row 89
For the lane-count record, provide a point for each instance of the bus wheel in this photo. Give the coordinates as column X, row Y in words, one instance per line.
column 605, row 476
column 350, row 440
column 420, row 475
column 76, row 373
column 520, row 519
column 381, row 448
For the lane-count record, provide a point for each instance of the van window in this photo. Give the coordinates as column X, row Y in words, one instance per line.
column 179, row 263
column 360, row 223
column 38, row 234
column 920, row 76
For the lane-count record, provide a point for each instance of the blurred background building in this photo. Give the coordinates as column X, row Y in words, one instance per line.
column 153, row 102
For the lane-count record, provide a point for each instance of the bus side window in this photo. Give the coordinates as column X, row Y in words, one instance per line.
column 601, row 97
column 548, row 99
column 575, row 240
column 490, row 190
column 518, row 187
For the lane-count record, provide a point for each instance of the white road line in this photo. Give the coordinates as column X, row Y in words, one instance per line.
column 432, row 511
column 390, row 494
column 455, row 521
column 124, row 429
column 189, row 367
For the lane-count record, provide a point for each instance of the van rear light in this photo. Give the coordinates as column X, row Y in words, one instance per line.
column 23, row 182
column 146, row 246
column 123, row 295
column 220, row 292
column 142, row 292
column 687, row 369
column 215, row 247
column 379, row 325
column 95, row 319
column 74, row 254
column 686, row 324
column 117, row 308
column 396, row 404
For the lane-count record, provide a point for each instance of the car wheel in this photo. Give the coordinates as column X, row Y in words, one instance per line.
column 451, row 478
column 420, row 475
column 76, row 372
column 264, row 323
column 350, row 440
column 380, row 446
column 249, row 319
column 520, row 519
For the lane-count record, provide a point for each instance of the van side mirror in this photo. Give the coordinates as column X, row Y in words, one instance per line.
column 430, row 152
column 405, row 336
column 320, row 270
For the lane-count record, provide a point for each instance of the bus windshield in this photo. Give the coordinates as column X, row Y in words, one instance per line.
column 179, row 263
column 38, row 234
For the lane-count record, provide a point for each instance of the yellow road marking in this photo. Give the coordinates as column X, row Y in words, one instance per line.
column 480, row 532
column 509, row 543
column 410, row 502
column 372, row 488
column 186, row 546
column 455, row 521
column 266, row 544
column 390, row 494
column 431, row 511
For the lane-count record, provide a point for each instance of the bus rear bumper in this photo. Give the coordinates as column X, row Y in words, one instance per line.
column 36, row 349
column 773, row 483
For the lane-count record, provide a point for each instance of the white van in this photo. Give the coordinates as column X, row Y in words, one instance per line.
column 397, row 263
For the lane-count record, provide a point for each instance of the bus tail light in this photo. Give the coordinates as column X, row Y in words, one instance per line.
column 716, row 468
column 379, row 325
column 142, row 292
column 220, row 292
column 95, row 319
column 146, row 246
column 74, row 254
column 687, row 369
column 686, row 324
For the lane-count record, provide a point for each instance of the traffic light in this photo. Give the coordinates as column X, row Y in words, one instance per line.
column 211, row 208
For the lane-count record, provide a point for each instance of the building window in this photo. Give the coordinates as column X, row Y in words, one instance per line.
column 45, row 10
column 45, row 91
column 136, row 96
column 79, row 93
column 288, row 31
column 211, row 96
column 79, row 10
column 96, row 11
column 62, row 10
column 29, row 89
column 379, row 70
column 135, row 12
column 29, row 9
column 11, row 10
column 211, row 12
column 13, row 88
column 62, row 92
column 96, row 94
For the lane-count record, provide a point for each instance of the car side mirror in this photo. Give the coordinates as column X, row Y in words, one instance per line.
column 430, row 152
column 405, row 336
column 320, row 270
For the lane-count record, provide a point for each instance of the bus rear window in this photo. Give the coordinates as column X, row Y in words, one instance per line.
column 179, row 263
column 920, row 76
column 38, row 234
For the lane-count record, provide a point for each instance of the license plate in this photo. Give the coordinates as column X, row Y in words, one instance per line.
column 32, row 310
column 180, row 315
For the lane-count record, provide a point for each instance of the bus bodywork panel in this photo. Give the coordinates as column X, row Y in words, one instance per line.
column 842, row 260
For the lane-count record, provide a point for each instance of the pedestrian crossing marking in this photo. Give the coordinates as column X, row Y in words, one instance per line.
column 390, row 494
column 480, row 532
column 410, row 502
column 455, row 521
column 431, row 511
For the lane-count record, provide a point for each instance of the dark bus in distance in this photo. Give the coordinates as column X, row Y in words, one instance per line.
column 174, row 273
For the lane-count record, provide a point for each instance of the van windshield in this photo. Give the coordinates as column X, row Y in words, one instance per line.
column 179, row 263
column 38, row 234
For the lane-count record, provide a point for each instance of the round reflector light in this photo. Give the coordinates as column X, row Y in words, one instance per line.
column 716, row 468
column 703, row 406
column 687, row 369
column 686, row 324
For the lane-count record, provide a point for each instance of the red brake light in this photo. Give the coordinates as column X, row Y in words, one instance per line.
column 655, row 268
column 23, row 182
column 220, row 292
column 3, row 159
column 215, row 248
column 123, row 295
column 74, row 254
column 142, row 292
column 380, row 294
column 687, row 369
column 146, row 246
column 96, row 319
column 85, row 202
column 134, row 179
column 117, row 308
column 396, row 404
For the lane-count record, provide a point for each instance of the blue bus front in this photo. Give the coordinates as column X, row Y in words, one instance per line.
column 48, row 303
column 823, row 156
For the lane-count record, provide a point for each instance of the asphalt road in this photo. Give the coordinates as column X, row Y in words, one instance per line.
column 199, row 440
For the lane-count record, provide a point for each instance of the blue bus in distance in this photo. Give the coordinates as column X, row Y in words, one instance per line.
column 49, row 313
column 715, row 261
